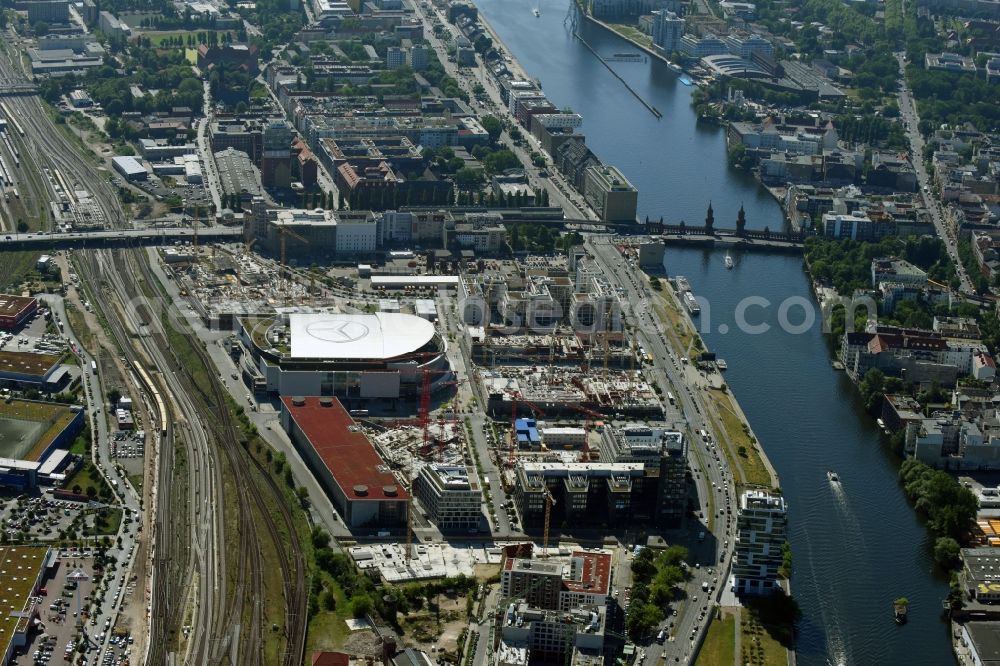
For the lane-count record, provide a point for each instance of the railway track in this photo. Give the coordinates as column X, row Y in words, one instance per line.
column 237, row 637
column 230, row 619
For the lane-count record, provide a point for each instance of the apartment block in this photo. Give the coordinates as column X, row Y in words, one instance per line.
column 760, row 525
column 451, row 496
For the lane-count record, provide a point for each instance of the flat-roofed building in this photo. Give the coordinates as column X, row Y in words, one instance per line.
column 760, row 525
column 610, row 193
column 557, row 583
column 451, row 495
column 359, row 483
column 661, row 493
column 23, row 570
column 16, row 310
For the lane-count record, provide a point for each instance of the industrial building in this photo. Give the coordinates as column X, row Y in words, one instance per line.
column 359, row 483
column 129, row 167
column 16, row 310
column 22, row 571
column 237, row 174
column 451, row 496
column 356, row 357
column 30, row 370
column 760, row 527
column 34, row 442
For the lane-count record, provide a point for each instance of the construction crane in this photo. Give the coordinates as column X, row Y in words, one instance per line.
column 549, row 502
column 591, row 414
column 246, row 249
column 283, row 233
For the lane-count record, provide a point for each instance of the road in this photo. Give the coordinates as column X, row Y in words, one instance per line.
column 908, row 112
column 122, row 551
column 711, row 476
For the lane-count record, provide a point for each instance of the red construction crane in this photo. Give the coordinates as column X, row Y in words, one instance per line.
column 585, row 454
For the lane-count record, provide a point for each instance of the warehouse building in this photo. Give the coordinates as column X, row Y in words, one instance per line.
column 130, row 168
column 22, row 571
column 237, row 174
column 451, row 496
column 28, row 370
column 355, row 477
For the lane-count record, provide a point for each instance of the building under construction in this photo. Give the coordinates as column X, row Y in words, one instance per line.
column 553, row 391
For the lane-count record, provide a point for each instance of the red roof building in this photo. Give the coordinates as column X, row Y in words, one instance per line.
column 359, row 483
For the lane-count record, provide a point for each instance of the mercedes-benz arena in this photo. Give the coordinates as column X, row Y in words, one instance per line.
column 350, row 356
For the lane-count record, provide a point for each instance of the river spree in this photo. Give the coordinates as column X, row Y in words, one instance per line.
column 857, row 547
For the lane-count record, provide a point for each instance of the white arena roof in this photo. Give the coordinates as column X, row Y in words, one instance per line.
column 381, row 335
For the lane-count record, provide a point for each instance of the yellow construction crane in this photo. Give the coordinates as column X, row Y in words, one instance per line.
column 549, row 502
column 409, row 526
column 283, row 234
column 246, row 249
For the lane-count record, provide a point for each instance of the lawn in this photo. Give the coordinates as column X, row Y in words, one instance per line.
column 755, row 472
column 79, row 326
column 720, row 643
column 112, row 519
column 758, row 645
column 632, row 33
column 88, row 477
column 15, row 267
column 670, row 312
column 327, row 629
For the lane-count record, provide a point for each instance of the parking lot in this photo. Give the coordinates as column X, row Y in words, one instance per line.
column 126, row 444
column 63, row 604
column 37, row 518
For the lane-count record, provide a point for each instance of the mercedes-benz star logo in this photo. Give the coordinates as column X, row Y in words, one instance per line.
column 337, row 331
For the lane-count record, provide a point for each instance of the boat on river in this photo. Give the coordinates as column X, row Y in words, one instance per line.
column 536, row 12
column 833, row 476
column 729, row 261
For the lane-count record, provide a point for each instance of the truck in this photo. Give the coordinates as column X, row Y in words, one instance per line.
column 93, row 367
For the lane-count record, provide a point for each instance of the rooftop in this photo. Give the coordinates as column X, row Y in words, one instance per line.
column 19, row 568
column 345, row 450
column 382, row 335
column 12, row 305
column 27, row 363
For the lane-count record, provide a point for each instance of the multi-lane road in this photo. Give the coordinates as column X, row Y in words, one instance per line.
column 712, row 477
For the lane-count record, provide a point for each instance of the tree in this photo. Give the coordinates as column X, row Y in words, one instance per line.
column 641, row 619
column 41, row 28
column 114, row 395
column 467, row 178
column 946, row 552
column 361, row 605
column 493, row 127
column 643, row 569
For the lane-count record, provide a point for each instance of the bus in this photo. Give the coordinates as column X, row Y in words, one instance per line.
column 93, row 367
column 670, row 397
